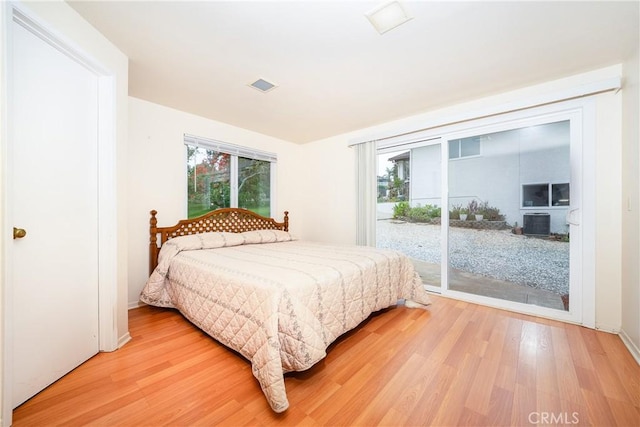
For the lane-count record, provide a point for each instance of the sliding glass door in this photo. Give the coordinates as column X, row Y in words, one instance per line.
column 491, row 213
column 509, row 197
column 409, row 213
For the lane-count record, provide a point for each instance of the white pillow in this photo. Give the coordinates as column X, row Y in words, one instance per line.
column 211, row 240
column 266, row 236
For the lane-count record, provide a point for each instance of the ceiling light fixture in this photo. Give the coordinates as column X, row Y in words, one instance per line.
column 388, row 16
column 262, row 85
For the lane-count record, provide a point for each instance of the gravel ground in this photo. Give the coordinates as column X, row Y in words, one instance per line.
column 535, row 262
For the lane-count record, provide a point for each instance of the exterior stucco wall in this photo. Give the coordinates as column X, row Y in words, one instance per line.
column 507, row 161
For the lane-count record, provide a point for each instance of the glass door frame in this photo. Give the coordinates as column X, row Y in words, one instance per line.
column 581, row 113
column 581, row 116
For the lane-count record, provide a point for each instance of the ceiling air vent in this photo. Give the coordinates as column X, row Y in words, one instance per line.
column 262, row 85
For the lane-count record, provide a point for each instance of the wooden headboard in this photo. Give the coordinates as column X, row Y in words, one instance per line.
column 234, row 220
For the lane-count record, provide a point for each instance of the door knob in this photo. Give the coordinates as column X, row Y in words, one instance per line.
column 19, row 233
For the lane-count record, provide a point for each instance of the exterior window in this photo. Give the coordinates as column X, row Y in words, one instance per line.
column 220, row 177
column 559, row 194
column 209, row 180
column 465, row 147
column 254, row 185
column 537, row 195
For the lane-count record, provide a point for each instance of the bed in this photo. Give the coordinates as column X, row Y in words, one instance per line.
column 279, row 301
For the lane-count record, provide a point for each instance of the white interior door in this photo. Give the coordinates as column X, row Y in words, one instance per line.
column 53, row 196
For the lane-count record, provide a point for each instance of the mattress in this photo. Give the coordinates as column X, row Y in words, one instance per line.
column 278, row 301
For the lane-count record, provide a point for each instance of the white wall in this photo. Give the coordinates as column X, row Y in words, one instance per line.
column 157, row 174
column 328, row 192
column 630, row 205
column 69, row 25
column 335, row 181
column 426, row 176
column 508, row 160
column 608, row 212
column 498, row 176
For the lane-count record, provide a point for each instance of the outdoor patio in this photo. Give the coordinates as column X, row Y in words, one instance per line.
column 493, row 263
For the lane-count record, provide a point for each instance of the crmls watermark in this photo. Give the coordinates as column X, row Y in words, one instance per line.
column 554, row 418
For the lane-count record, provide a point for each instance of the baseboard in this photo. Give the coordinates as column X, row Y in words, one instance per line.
column 607, row 328
column 124, row 339
column 631, row 346
column 136, row 304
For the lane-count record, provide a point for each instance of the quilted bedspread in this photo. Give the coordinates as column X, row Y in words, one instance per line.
column 276, row 300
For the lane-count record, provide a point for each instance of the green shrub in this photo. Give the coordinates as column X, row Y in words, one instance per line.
column 455, row 211
column 433, row 211
column 490, row 213
column 401, row 209
column 418, row 213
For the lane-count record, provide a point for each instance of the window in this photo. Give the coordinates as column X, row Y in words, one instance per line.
column 537, row 195
column 465, row 147
column 221, row 175
column 254, row 185
column 559, row 194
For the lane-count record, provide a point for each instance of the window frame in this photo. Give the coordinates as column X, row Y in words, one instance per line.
column 459, row 155
column 234, row 151
column 549, row 204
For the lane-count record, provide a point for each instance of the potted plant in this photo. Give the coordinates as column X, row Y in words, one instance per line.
column 516, row 229
column 464, row 212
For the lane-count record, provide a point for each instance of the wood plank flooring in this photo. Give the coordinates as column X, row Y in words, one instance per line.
column 454, row 364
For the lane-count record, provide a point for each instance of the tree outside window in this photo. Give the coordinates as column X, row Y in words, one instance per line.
column 216, row 179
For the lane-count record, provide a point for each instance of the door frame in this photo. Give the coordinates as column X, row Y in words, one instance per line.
column 107, row 197
column 585, row 108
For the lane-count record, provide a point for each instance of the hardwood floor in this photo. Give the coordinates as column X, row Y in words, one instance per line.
column 455, row 364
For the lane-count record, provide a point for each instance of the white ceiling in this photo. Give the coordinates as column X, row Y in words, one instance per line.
column 334, row 72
